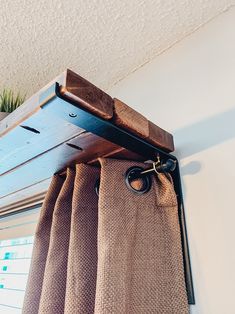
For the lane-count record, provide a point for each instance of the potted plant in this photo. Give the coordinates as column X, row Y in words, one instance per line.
column 9, row 102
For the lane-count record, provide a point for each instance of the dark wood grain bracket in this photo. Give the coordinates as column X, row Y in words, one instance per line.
column 72, row 121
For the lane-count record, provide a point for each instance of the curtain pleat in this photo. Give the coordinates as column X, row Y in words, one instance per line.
column 82, row 257
column 55, row 274
column 41, row 245
column 116, row 253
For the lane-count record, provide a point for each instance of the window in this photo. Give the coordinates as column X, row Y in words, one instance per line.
column 16, row 243
column 15, row 256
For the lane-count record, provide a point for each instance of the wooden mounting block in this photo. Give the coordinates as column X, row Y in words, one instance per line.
column 36, row 140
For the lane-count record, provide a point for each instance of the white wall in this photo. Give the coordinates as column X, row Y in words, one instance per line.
column 190, row 91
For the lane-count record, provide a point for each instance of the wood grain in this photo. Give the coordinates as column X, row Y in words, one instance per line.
column 87, row 95
column 86, row 147
column 28, row 108
column 160, row 137
column 131, row 120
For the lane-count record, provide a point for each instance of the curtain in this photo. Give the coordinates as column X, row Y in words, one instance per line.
column 119, row 252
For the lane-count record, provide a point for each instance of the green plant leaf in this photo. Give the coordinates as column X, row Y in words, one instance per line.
column 9, row 102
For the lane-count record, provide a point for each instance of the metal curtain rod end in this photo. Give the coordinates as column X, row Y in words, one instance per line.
column 159, row 167
column 168, row 166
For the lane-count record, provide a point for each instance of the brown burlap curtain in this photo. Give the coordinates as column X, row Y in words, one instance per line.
column 116, row 253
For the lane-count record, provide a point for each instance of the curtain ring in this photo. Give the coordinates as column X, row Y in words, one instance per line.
column 134, row 173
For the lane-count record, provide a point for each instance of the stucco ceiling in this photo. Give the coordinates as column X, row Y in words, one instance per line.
column 102, row 40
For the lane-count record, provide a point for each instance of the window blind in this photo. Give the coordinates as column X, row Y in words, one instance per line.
column 16, row 243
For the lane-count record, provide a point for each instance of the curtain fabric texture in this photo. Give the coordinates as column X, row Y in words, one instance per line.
column 116, row 253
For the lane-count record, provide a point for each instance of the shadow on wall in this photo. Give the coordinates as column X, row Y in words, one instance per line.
column 202, row 135
column 207, row 133
column 191, row 168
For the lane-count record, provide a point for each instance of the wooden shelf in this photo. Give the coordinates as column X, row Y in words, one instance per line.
column 44, row 135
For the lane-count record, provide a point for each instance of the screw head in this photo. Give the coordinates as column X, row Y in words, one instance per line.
column 72, row 115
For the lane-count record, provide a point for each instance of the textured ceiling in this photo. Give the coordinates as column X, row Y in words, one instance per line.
column 102, row 40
